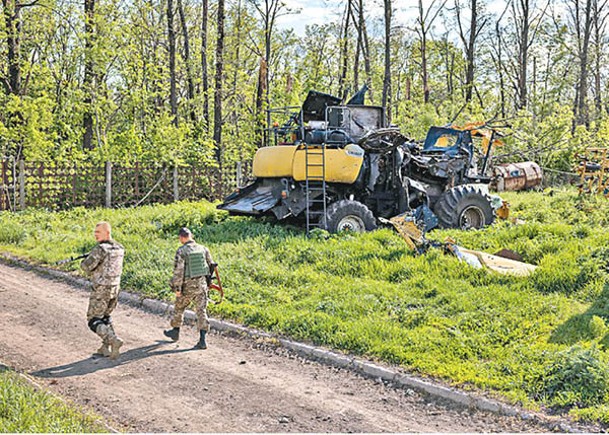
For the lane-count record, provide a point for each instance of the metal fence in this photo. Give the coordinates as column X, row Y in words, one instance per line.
column 61, row 186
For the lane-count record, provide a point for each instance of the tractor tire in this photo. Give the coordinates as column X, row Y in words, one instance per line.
column 347, row 215
column 464, row 207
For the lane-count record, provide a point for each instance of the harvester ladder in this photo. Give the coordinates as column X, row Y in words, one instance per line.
column 315, row 186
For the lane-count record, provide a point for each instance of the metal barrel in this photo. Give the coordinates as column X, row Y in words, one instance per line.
column 517, row 176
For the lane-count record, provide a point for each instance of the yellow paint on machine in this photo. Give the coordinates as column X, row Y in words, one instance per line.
column 342, row 164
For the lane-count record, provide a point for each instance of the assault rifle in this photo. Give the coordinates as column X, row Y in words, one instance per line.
column 71, row 259
column 213, row 286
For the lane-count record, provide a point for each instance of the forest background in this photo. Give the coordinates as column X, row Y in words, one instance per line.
column 189, row 81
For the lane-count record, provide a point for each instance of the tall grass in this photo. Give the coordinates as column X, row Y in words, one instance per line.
column 370, row 295
column 25, row 409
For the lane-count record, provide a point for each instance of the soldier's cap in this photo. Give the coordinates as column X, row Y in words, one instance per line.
column 184, row 232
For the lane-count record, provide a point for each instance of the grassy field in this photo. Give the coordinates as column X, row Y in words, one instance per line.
column 25, row 409
column 538, row 341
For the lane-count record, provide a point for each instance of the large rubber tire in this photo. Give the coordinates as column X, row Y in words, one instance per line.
column 464, row 207
column 346, row 215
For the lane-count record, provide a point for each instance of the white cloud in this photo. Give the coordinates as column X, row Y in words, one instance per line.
column 311, row 12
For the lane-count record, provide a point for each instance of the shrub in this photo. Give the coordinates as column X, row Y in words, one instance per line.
column 577, row 377
column 11, row 234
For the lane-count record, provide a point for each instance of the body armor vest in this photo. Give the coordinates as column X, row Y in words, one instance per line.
column 195, row 264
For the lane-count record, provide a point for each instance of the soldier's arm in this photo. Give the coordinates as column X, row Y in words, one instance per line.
column 210, row 262
column 93, row 260
column 178, row 272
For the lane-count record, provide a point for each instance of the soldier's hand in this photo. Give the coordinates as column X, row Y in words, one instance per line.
column 178, row 293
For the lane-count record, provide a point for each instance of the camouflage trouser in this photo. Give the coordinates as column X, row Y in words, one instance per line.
column 102, row 302
column 193, row 290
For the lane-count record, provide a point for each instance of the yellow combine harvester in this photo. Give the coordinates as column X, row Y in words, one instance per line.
column 340, row 167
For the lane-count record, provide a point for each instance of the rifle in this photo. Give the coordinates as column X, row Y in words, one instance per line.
column 71, row 259
column 217, row 287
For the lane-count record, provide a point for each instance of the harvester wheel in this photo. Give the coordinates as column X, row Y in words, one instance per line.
column 464, row 207
column 347, row 215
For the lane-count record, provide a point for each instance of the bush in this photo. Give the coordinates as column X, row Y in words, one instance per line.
column 11, row 234
column 577, row 377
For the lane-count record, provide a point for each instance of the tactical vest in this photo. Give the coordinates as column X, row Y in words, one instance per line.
column 195, row 264
column 110, row 270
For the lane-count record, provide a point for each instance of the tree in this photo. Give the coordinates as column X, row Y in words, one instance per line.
column 424, row 22
column 204, row 76
column 344, row 53
column 269, row 11
column 599, row 24
column 218, row 94
column 387, row 76
column 469, row 39
column 186, row 56
column 580, row 12
column 89, row 81
column 171, row 46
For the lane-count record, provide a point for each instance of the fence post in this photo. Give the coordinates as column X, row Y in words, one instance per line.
column 22, row 184
column 239, row 175
column 176, row 192
column 108, row 184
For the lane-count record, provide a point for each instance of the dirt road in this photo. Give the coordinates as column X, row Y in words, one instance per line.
column 237, row 385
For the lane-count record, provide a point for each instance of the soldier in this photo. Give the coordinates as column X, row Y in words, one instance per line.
column 104, row 264
column 192, row 265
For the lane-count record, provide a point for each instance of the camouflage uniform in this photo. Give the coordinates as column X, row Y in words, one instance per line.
column 104, row 265
column 192, row 289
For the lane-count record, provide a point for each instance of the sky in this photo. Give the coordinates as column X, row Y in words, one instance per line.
column 321, row 11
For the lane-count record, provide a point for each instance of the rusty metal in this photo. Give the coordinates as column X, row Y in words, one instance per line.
column 594, row 171
column 517, row 176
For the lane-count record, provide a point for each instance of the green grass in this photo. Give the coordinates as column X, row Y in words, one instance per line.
column 369, row 295
column 25, row 409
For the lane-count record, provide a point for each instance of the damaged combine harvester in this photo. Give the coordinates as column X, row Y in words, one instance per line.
column 412, row 229
column 341, row 167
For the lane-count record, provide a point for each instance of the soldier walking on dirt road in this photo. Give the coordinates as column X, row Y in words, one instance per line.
column 104, row 265
column 192, row 265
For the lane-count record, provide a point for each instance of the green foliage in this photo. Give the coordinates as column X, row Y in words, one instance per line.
column 369, row 294
column 576, row 377
column 11, row 233
column 24, row 409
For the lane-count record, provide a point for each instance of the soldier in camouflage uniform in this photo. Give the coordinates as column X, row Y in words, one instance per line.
column 192, row 268
column 104, row 265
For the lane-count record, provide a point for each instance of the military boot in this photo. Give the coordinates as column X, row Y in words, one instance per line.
column 174, row 333
column 104, row 350
column 201, row 344
column 115, row 346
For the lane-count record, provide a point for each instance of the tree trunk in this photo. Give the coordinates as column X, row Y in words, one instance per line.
column 204, row 77
column 387, row 78
column 171, row 42
column 425, row 21
column 599, row 23
column 469, row 43
column 469, row 77
column 500, row 68
column 358, row 50
column 342, row 85
column 218, row 84
column 582, row 117
column 523, row 54
column 89, row 77
column 186, row 57
column 423, row 36
column 13, row 28
column 260, row 97
column 367, row 66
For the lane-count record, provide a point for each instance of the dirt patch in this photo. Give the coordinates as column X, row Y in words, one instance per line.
column 237, row 385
